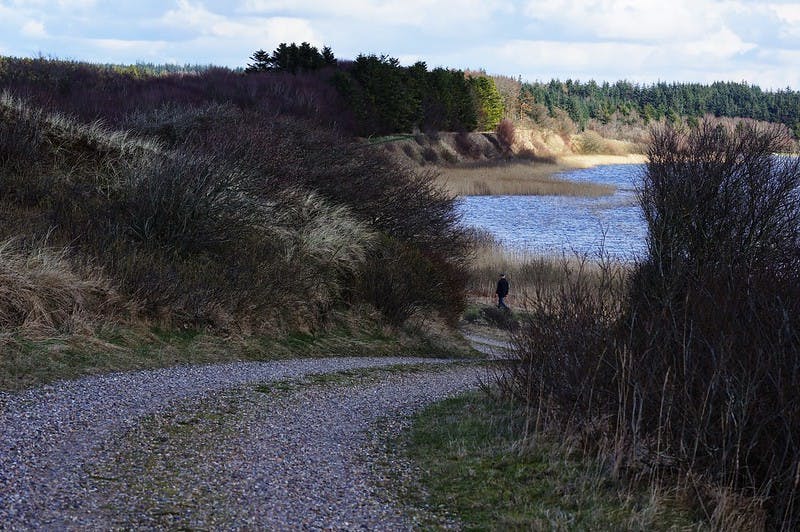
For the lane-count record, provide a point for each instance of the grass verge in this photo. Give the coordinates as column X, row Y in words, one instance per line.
column 27, row 361
column 474, row 469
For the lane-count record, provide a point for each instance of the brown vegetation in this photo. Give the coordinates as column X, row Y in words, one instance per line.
column 504, row 177
column 206, row 215
column 684, row 369
column 40, row 291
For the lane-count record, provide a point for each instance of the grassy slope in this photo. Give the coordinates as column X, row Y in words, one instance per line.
column 476, row 163
column 118, row 253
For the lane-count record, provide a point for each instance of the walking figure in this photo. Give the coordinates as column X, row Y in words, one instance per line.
column 502, row 291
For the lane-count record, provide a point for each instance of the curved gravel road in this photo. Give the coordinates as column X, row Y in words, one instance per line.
column 222, row 446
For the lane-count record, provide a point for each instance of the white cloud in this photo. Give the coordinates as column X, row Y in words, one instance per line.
column 789, row 16
column 422, row 14
column 787, row 12
column 197, row 18
column 718, row 45
column 146, row 48
column 639, row 20
column 554, row 55
column 33, row 28
column 49, row 5
column 641, row 40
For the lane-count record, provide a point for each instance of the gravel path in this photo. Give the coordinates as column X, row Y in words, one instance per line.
column 209, row 447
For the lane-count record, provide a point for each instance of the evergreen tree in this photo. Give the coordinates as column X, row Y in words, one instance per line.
column 261, row 62
column 291, row 58
column 489, row 102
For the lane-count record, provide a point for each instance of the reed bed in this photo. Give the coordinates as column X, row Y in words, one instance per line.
column 515, row 178
column 531, row 275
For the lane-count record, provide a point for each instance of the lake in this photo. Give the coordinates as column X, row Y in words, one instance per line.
column 552, row 225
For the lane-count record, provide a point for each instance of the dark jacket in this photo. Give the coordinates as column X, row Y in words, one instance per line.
column 502, row 288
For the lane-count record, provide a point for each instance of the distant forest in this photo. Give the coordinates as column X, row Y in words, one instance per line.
column 376, row 95
column 590, row 100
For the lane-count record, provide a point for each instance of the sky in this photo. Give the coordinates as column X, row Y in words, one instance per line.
column 643, row 41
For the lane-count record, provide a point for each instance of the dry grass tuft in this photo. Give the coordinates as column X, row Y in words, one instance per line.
column 40, row 290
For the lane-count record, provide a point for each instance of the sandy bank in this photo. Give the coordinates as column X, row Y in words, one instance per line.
column 587, row 161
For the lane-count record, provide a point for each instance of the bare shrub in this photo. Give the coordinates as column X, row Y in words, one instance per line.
column 563, row 124
column 689, row 366
column 500, row 318
column 467, row 146
column 542, row 156
column 430, row 155
column 506, row 134
column 590, row 142
column 173, row 124
column 397, row 281
column 715, row 308
column 448, row 156
column 567, row 345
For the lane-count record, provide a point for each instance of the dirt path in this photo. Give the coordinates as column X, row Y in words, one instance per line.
column 220, row 446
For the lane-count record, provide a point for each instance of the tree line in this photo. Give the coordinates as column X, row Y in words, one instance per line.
column 387, row 97
column 623, row 99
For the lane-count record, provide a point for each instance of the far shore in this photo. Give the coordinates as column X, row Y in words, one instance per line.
column 517, row 177
column 590, row 160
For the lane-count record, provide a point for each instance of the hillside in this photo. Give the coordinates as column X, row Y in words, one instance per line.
column 185, row 203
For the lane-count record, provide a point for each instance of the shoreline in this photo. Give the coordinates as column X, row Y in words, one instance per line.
column 517, row 177
column 591, row 160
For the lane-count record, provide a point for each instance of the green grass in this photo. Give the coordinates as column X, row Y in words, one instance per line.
column 475, row 469
column 352, row 376
column 27, row 361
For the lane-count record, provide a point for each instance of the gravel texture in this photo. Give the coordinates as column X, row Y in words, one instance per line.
column 228, row 446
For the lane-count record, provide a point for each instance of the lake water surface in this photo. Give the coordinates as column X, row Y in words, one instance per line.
column 553, row 225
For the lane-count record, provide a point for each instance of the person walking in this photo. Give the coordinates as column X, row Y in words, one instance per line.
column 502, row 291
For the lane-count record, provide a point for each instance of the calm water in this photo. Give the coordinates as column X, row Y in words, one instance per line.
column 556, row 224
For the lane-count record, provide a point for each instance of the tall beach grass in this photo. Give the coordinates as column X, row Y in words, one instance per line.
column 515, row 178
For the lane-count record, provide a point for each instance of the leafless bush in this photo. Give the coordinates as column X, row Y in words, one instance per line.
column 715, row 309
column 174, row 124
column 397, row 280
column 466, row 146
column 693, row 368
column 430, row 155
column 567, row 344
column 506, row 134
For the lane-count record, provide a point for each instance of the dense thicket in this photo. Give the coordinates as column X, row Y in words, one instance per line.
column 387, row 97
column 390, row 98
column 219, row 198
column 113, row 94
column 690, row 365
column 715, row 309
column 375, row 95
